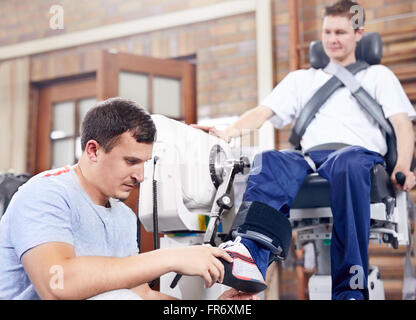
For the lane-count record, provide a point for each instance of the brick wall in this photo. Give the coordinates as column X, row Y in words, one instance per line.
column 225, row 48
column 23, row 20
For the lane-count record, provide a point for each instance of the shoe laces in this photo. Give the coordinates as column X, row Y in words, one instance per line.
column 230, row 243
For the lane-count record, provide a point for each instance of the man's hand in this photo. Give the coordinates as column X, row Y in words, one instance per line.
column 234, row 294
column 200, row 261
column 409, row 183
column 215, row 132
column 250, row 120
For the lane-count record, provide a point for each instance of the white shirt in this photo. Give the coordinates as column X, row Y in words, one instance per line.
column 340, row 119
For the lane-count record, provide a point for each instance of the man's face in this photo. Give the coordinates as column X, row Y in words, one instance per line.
column 121, row 169
column 340, row 39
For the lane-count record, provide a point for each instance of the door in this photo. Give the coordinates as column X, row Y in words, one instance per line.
column 160, row 86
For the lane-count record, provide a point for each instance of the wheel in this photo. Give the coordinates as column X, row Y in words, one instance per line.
column 225, row 202
column 395, row 243
column 387, row 237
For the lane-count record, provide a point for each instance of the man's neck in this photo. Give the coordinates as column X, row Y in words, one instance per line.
column 95, row 195
column 345, row 62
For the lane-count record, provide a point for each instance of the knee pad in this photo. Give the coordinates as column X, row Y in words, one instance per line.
column 265, row 225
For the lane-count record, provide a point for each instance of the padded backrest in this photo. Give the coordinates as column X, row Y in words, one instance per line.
column 369, row 49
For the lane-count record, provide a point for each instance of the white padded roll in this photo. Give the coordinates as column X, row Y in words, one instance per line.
column 193, row 148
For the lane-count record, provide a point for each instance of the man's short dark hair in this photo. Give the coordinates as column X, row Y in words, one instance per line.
column 343, row 8
column 110, row 118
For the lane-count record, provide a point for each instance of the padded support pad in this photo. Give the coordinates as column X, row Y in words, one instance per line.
column 264, row 224
column 245, row 285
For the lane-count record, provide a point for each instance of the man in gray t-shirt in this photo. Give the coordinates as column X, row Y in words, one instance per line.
column 52, row 207
column 67, row 235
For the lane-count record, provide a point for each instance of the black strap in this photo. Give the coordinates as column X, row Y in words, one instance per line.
column 374, row 109
column 318, row 99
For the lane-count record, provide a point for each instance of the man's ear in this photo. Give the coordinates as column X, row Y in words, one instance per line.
column 359, row 34
column 92, row 150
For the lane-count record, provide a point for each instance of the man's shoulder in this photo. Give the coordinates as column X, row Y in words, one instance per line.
column 56, row 181
column 58, row 173
column 303, row 72
column 300, row 76
column 378, row 75
column 54, row 176
column 379, row 69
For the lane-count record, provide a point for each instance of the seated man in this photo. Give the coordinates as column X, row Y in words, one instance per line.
column 270, row 193
column 67, row 234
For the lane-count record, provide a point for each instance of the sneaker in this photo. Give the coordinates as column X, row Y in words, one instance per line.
column 242, row 274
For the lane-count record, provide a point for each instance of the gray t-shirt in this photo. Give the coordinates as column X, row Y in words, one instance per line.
column 53, row 207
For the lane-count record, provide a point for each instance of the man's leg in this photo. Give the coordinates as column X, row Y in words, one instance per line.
column 348, row 172
column 275, row 179
column 262, row 220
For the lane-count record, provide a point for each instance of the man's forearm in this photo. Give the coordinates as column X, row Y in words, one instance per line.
column 251, row 119
column 57, row 273
column 405, row 145
column 88, row 276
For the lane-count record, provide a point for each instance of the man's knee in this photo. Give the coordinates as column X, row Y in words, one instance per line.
column 265, row 157
column 276, row 161
column 273, row 155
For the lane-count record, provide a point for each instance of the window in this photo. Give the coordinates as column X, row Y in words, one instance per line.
column 66, row 129
column 62, row 107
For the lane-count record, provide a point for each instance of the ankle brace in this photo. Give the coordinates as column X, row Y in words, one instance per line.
column 265, row 225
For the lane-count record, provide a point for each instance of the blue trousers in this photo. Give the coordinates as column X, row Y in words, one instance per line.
column 277, row 182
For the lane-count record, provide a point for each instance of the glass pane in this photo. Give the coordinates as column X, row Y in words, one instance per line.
column 134, row 86
column 78, row 150
column 83, row 106
column 62, row 153
column 167, row 97
column 63, row 119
